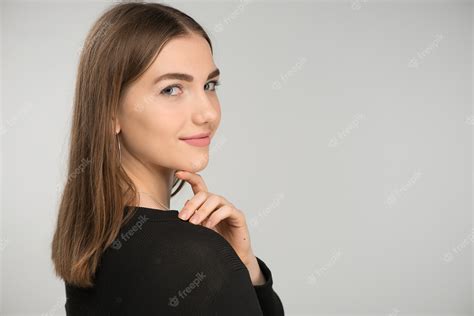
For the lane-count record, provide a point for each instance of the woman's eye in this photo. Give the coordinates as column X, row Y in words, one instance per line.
column 214, row 84
column 169, row 89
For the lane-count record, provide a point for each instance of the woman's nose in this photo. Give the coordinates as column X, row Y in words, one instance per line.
column 206, row 108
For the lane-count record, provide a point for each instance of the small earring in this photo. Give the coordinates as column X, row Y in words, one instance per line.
column 120, row 152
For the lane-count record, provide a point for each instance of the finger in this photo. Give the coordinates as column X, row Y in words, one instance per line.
column 204, row 224
column 192, row 205
column 212, row 203
column 195, row 180
column 218, row 215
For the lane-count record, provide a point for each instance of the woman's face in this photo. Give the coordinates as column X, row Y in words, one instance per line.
column 155, row 114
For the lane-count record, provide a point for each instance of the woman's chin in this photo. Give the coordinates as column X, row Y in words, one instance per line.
column 198, row 164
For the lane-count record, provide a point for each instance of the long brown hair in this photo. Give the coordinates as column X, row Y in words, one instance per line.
column 120, row 46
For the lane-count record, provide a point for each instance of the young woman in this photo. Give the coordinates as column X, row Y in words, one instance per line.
column 145, row 111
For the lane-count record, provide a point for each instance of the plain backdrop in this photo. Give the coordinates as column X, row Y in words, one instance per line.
column 346, row 138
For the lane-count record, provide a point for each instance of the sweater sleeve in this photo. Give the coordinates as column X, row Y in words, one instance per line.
column 269, row 301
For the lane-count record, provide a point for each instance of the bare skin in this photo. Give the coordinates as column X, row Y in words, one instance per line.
column 152, row 118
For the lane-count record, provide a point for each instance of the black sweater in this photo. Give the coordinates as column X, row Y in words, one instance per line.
column 162, row 265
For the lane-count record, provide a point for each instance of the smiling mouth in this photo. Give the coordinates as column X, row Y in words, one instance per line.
column 199, row 142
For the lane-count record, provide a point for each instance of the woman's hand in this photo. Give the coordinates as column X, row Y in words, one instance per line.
column 215, row 212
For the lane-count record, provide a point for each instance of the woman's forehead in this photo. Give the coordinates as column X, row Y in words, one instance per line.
column 184, row 55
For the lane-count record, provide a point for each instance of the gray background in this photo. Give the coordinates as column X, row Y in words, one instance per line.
column 346, row 138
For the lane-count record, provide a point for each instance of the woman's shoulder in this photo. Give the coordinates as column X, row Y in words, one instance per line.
column 166, row 244
column 159, row 264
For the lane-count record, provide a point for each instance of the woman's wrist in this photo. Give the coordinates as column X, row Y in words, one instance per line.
column 256, row 275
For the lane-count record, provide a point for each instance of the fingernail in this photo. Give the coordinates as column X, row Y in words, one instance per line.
column 183, row 214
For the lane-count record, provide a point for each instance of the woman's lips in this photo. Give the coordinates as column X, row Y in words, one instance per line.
column 199, row 142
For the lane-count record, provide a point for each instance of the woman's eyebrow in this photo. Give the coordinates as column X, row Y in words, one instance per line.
column 185, row 77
